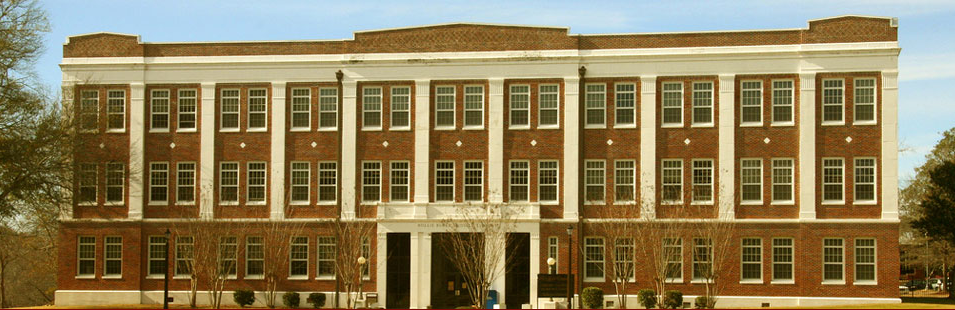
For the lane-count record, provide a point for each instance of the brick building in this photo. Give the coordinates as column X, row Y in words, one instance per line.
column 790, row 133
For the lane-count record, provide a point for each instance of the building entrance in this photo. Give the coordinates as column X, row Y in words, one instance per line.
column 449, row 290
column 398, row 287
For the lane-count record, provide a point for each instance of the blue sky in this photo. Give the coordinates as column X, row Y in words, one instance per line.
column 927, row 64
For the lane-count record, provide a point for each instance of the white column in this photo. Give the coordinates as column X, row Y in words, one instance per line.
column 535, row 257
column 422, row 166
column 498, row 240
column 425, row 279
column 207, row 164
column 648, row 146
column 381, row 262
column 727, row 147
column 349, row 140
column 807, row 145
column 137, row 148
column 890, row 146
column 571, row 146
column 67, row 90
column 495, row 151
column 278, row 197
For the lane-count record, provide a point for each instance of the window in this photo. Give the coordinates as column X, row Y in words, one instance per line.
column 864, row 100
column 594, row 259
column 832, row 264
column 229, row 182
column 87, row 183
column 673, row 251
column 186, row 183
column 865, row 260
column 371, row 108
column 595, row 101
column 399, row 180
column 624, row 264
column 187, row 109
column 547, row 181
column 553, row 251
column 751, row 102
column 229, row 109
column 549, row 105
column 256, row 179
column 185, row 249
column 672, row 180
column 702, row 258
column 113, row 264
column 157, row 256
column 159, row 109
column 594, row 179
column 751, row 180
column 370, row 181
column 86, row 256
column 703, row 180
column 366, row 253
column 783, row 259
column 783, row 101
column 158, row 182
column 832, row 179
column 782, row 180
column 865, row 180
column 115, row 179
column 474, row 106
column 327, row 182
column 673, row 104
column 298, row 257
column 752, row 260
column 326, row 257
column 327, row 108
column 520, row 172
column 254, row 257
column 258, row 98
column 832, row 99
column 89, row 110
column 473, row 181
column 520, row 105
column 401, row 107
column 444, row 181
column 116, row 110
column 301, row 175
column 301, row 108
column 228, row 251
column 626, row 104
column 444, row 107
column 703, row 103
column 624, row 172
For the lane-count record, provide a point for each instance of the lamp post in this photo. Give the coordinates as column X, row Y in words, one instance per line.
column 165, row 278
column 570, row 262
column 550, row 264
column 361, row 278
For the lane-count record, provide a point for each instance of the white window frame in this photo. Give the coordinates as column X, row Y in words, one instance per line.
column 327, row 104
column 333, row 180
column 601, row 251
column 160, row 243
column 111, row 170
column 366, row 253
column 471, row 93
column 743, row 262
column 225, row 242
column 80, row 257
column 88, row 179
column 742, row 102
column 368, row 92
column 183, row 96
column 632, row 186
column 89, row 108
column 856, row 183
column 442, row 166
column 392, row 184
column 663, row 104
column 304, row 98
column 445, row 92
column 674, row 243
column 842, row 183
column 708, row 105
column 841, row 262
column 742, row 180
column 842, row 102
column 182, row 257
column 107, row 243
column 541, row 184
column 181, row 168
column 595, row 101
column 293, row 185
column 395, row 94
column 875, row 261
column 249, row 258
column 603, row 180
column 791, row 262
column 782, row 102
column 621, row 247
column 792, row 180
column 366, row 166
column 707, row 246
column 222, row 111
column 248, row 182
column 541, row 109
column 664, row 184
column 512, row 169
column 295, row 242
column 264, row 112
column 325, row 243
column 617, row 108
column 115, row 106
column 512, row 109
column 476, row 166
column 553, row 251
column 222, row 185
column 157, row 169
column 856, row 104
column 693, row 183
column 156, row 101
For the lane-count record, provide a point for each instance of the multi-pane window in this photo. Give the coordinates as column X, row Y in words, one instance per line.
column 865, row 260
column 864, row 100
column 115, row 179
column 326, row 257
column 258, row 98
column 366, row 253
column 752, row 268
column 832, row 179
column 626, row 104
column 301, row 174
column 301, row 107
column 113, row 248
column 595, row 100
column 553, row 249
column 624, row 179
column 256, row 178
column 782, row 259
column 87, row 183
column 254, row 256
column 186, row 182
column 444, row 181
column 751, row 180
column 783, row 101
column 865, row 180
column 832, row 262
column 702, row 180
column 116, row 110
column 228, row 255
column 371, row 107
column 673, row 252
column 157, row 256
column 702, row 258
column 832, row 101
column 327, row 108
column 474, row 106
column 187, row 109
column 520, row 181
column 327, row 181
column 703, row 103
column 672, row 180
column 298, row 257
column 370, row 181
column 547, row 180
column 673, row 104
column 89, row 109
column 400, row 107
column 593, row 259
column 444, row 107
column 399, row 180
column 751, row 102
column 158, row 182
column 549, row 103
column 229, row 182
column 624, row 264
column 86, row 256
column 185, row 251
column 520, row 105
column 159, row 109
column 782, row 180
column 229, row 109
column 594, row 179
column 473, row 181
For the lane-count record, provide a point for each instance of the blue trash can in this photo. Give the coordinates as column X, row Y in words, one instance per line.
column 491, row 299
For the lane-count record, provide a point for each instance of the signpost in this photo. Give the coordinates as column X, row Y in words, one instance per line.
column 553, row 285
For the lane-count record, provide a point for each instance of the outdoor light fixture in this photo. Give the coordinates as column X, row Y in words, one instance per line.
column 550, row 262
column 570, row 262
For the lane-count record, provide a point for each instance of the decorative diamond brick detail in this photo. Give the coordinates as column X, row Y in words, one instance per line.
column 458, row 143
column 385, row 144
column 848, row 139
column 314, row 144
column 609, row 142
column 242, row 145
column 687, row 141
column 172, row 145
column 102, row 145
column 533, row 142
column 766, row 140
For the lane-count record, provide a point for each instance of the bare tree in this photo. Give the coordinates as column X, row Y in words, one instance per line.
column 713, row 246
column 213, row 255
column 619, row 221
column 352, row 260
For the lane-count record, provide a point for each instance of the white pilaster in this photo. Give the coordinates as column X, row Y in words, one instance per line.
column 207, row 164
column 349, row 140
column 535, row 259
column 137, row 148
column 498, row 240
column 422, row 109
column 495, row 151
column 807, row 145
column 727, row 147
column 890, row 147
column 278, row 197
column 425, row 279
column 648, row 146
column 571, row 146
column 68, row 91
column 381, row 264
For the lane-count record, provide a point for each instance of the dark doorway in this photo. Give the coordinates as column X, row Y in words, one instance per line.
column 517, row 278
column 398, row 287
column 448, row 287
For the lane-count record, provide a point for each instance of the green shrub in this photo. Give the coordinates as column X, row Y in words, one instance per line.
column 673, row 299
column 316, row 299
column 291, row 299
column 243, row 298
column 647, row 298
column 703, row 302
column 592, row 298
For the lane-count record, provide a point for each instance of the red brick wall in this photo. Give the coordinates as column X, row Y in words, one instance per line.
column 228, row 148
column 370, row 143
column 298, row 147
column 443, row 142
column 115, row 148
column 158, row 149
